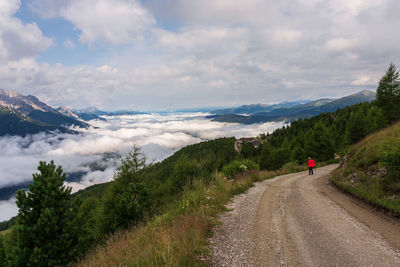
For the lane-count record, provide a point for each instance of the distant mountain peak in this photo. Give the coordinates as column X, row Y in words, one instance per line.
column 28, row 115
column 366, row 93
column 67, row 112
column 22, row 104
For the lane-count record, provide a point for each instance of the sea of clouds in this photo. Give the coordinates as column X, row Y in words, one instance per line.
column 158, row 135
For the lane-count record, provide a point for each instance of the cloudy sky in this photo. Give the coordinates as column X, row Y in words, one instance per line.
column 168, row 54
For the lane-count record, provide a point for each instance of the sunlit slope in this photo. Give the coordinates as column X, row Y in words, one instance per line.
column 370, row 170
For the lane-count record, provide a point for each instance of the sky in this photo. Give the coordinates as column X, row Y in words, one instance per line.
column 158, row 135
column 173, row 54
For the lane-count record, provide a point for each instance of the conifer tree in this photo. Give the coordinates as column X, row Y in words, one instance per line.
column 320, row 145
column 357, row 127
column 50, row 228
column 126, row 200
column 266, row 157
column 299, row 155
column 388, row 94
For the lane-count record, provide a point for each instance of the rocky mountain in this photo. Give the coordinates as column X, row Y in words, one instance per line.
column 306, row 110
column 22, row 115
column 67, row 112
column 22, row 104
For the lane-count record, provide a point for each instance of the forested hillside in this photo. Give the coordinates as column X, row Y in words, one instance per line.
column 14, row 124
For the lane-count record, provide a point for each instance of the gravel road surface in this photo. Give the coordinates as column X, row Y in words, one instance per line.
column 302, row 220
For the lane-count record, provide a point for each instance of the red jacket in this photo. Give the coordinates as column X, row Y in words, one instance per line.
column 311, row 163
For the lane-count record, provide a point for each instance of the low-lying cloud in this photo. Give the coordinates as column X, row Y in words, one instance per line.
column 83, row 155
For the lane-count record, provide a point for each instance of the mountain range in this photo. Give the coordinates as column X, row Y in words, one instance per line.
column 288, row 111
column 22, row 115
column 254, row 108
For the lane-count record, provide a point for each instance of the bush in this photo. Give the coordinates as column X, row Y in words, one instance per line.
column 238, row 166
column 389, row 155
column 2, row 253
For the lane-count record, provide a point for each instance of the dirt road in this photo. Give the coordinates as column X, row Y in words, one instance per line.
column 302, row 220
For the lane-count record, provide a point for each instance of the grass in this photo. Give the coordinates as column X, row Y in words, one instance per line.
column 179, row 236
column 361, row 175
column 5, row 231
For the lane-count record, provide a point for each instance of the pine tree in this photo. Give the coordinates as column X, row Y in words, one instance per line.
column 266, row 157
column 319, row 144
column 126, row 200
column 299, row 155
column 357, row 127
column 388, row 94
column 50, row 228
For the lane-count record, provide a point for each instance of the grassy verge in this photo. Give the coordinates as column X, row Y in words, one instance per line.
column 178, row 237
column 361, row 175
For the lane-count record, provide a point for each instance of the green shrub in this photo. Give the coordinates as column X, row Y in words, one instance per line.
column 2, row 252
column 238, row 167
column 389, row 155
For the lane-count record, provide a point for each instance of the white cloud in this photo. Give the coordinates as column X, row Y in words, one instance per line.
column 48, row 8
column 364, row 80
column 8, row 209
column 220, row 12
column 338, row 44
column 287, row 36
column 112, row 21
column 21, row 155
column 69, row 44
column 9, row 7
column 159, row 136
column 91, row 178
column 353, row 7
column 202, row 38
column 17, row 39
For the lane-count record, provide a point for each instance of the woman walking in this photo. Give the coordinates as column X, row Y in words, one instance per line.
column 311, row 165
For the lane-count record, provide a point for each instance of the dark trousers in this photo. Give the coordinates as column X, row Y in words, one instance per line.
column 310, row 171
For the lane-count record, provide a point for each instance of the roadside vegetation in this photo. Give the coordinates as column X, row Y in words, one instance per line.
column 161, row 214
column 179, row 236
column 371, row 170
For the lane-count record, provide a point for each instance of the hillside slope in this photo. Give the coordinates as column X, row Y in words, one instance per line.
column 12, row 123
column 370, row 170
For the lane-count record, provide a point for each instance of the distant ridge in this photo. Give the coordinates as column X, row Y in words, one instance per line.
column 294, row 112
column 97, row 112
column 254, row 108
